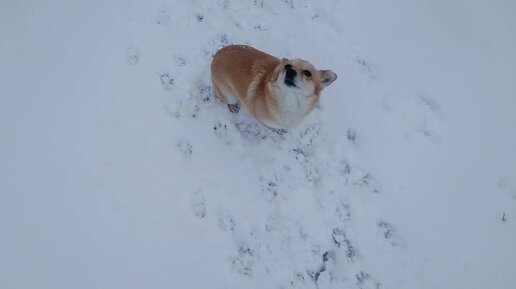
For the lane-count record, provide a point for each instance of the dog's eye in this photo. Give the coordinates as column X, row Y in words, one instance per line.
column 288, row 66
column 307, row 73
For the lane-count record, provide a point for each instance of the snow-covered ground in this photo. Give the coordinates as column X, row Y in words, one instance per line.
column 119, row 169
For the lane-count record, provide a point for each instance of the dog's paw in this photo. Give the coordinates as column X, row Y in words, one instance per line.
column 234, row 108
column 280, row 131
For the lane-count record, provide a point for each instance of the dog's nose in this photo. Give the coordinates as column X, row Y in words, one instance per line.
column 291, row 73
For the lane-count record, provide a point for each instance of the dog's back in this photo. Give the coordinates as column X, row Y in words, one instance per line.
column 235, row 67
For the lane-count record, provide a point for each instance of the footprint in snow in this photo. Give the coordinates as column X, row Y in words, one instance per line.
column 352, row 135
column 218, row 42
column 179, row 61
column 184, row 147
column 221, row 131
column 366, row 281
column 367, row 67
column 132, row 56
column 431, row 104
column 367, row 182
column 167, row 81
column 342, row 242
column 204, row 93
column 270, row 189
column 298, row 280
column 427, row 123
column 390, row 234
column 199, row 204
column 343, row 212
column 507, row 185
column 244, row 260
column 226, row 222
column 259, row 3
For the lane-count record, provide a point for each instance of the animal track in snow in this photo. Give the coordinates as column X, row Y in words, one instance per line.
column 166, row 81
column 133, row 55
column 179, row 61
column 352, row 135
column 367, row 67
column 226, row 222
column 343, row 212
column 259, row 3
column 199, row 204
column 506, row 185
column 366, row 281
column 422, row 128
column 390, row 233
column 205, row 93
column 271, row 190
column 431, row 103
column 341, row 241
column 427, row 120
column 357, row 177
column 253, row 130
column 298, row 280
column 244, row 260
column 221, row 131
column 368, row 182
column 185, row 147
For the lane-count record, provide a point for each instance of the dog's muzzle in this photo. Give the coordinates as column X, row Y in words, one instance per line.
column 290, row 75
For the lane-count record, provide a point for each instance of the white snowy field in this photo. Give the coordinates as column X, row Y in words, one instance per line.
column 119, row 168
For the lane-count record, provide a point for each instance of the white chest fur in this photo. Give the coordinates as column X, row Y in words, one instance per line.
column 294, row 105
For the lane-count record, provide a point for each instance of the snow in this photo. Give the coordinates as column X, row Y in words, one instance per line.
column 119, row 169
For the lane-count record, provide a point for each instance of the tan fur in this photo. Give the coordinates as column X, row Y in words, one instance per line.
column 256, row 80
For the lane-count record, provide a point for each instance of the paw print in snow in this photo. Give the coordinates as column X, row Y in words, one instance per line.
column 226, row 222
column 132, row 55
column 259, row 3
column 166, row 81
column 185, row 147
column 431, row 103
column 217, row 43
column 221, row 131
column 352, row 135
column 366, row 281
column 426, row 122
column 344, row 168
column 244, row 260
column 340, row 239
column 199, row 204
column 343, row 212
column 179, row 61
column 271, row 190
column 390, row 234
column 367, row 67
column 369, row 182
column 298, row 281
column 205, row 93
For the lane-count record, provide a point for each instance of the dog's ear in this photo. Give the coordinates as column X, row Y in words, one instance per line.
column 327, row 77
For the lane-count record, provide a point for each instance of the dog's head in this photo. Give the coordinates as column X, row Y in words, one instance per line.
column 300, row 77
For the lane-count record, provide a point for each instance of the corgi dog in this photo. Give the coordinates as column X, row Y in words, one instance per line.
column 279, row 93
